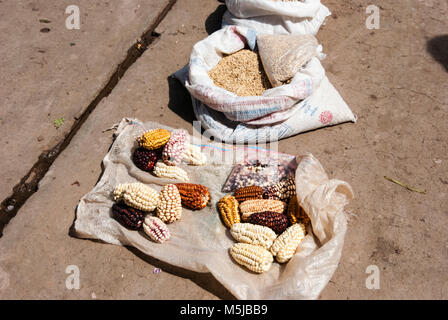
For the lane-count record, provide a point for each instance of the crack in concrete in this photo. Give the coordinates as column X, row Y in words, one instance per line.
column 29, row 184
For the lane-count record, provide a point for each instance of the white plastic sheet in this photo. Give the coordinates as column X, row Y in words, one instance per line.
column 201, row 243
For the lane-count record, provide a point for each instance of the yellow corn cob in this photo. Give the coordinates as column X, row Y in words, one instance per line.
column 194, row 156
column 254, row 258
column 249, row 207
column 172, row 172
column 228, row 209
column 295, row 213
column 253, row 234
column 154, row 139
column 287, row 243
column 137, row 195
column 169, row 208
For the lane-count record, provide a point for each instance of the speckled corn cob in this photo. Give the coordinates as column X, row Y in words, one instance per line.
column 128, row 216
column 170, row 207
column 193, row 156
column 144, row 159
column 295, row 213
column 287, row 243
column 249, row 193
column 253, row 234
column 194, row 196
column 274, row 220
column 171, row 172
column 281, row 190
column 250, row 207
column 137, row 195
column 254, row 258
column 154, row 139
column 228, row 209
column 156, row 229
column 174, row 150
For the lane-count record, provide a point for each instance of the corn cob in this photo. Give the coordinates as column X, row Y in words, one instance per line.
column 254, row 258
column 250, row 207
column 281, row 190
column 156, row 229
column 228, row 209
column 287, row 243
column 170, row 207
column 144, row 159
column 295, row 213
column 172, row 172
column 174, row 150
column 253, row 234
column 137, row 195
column 154, row 139
column 274, row 220
column 128, row 216
column 249, row 193
column 194, row 156
column 194, row 196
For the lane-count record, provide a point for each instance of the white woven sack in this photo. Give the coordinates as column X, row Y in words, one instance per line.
column 325, row 107
column 207, row 53
column 276, row 17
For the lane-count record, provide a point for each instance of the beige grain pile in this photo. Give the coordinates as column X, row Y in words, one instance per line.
column 241, row 73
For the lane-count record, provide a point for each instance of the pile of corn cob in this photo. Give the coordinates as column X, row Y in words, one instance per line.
column 140, row 206
column 161, row 151
column 265, row 222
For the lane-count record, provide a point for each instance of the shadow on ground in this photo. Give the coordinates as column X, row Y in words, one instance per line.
column 204, row 280
column 180, row 100
column 438, row 48
column 214, row 20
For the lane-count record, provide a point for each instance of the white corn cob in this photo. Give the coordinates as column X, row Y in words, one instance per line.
column 194, row 156
column 249, row 207
column 137, row 195
column 254, row 258
column 172, row 172
column 253, row 234
column 170, row 205
column 156, row 229
column 287, row 243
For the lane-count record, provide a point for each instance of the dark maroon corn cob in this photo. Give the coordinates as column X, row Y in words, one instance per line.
column 128, row 216
column 145, row 159
column 274, row 220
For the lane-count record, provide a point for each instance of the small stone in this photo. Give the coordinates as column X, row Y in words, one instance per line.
column 156, row 271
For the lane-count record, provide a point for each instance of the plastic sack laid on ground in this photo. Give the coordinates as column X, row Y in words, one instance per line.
column 308, row 102
column 259, row 110
column 276, row 17
column 201, row 243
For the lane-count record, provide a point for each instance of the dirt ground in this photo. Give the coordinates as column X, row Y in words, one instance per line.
column 394, row 79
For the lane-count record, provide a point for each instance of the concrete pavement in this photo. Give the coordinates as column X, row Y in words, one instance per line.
column 391, row 82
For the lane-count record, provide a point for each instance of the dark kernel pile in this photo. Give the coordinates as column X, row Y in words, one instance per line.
column 274, row 220
column 128, row 216
column 145, row 159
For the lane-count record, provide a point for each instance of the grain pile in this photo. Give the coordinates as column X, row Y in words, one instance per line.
column 241, row 73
